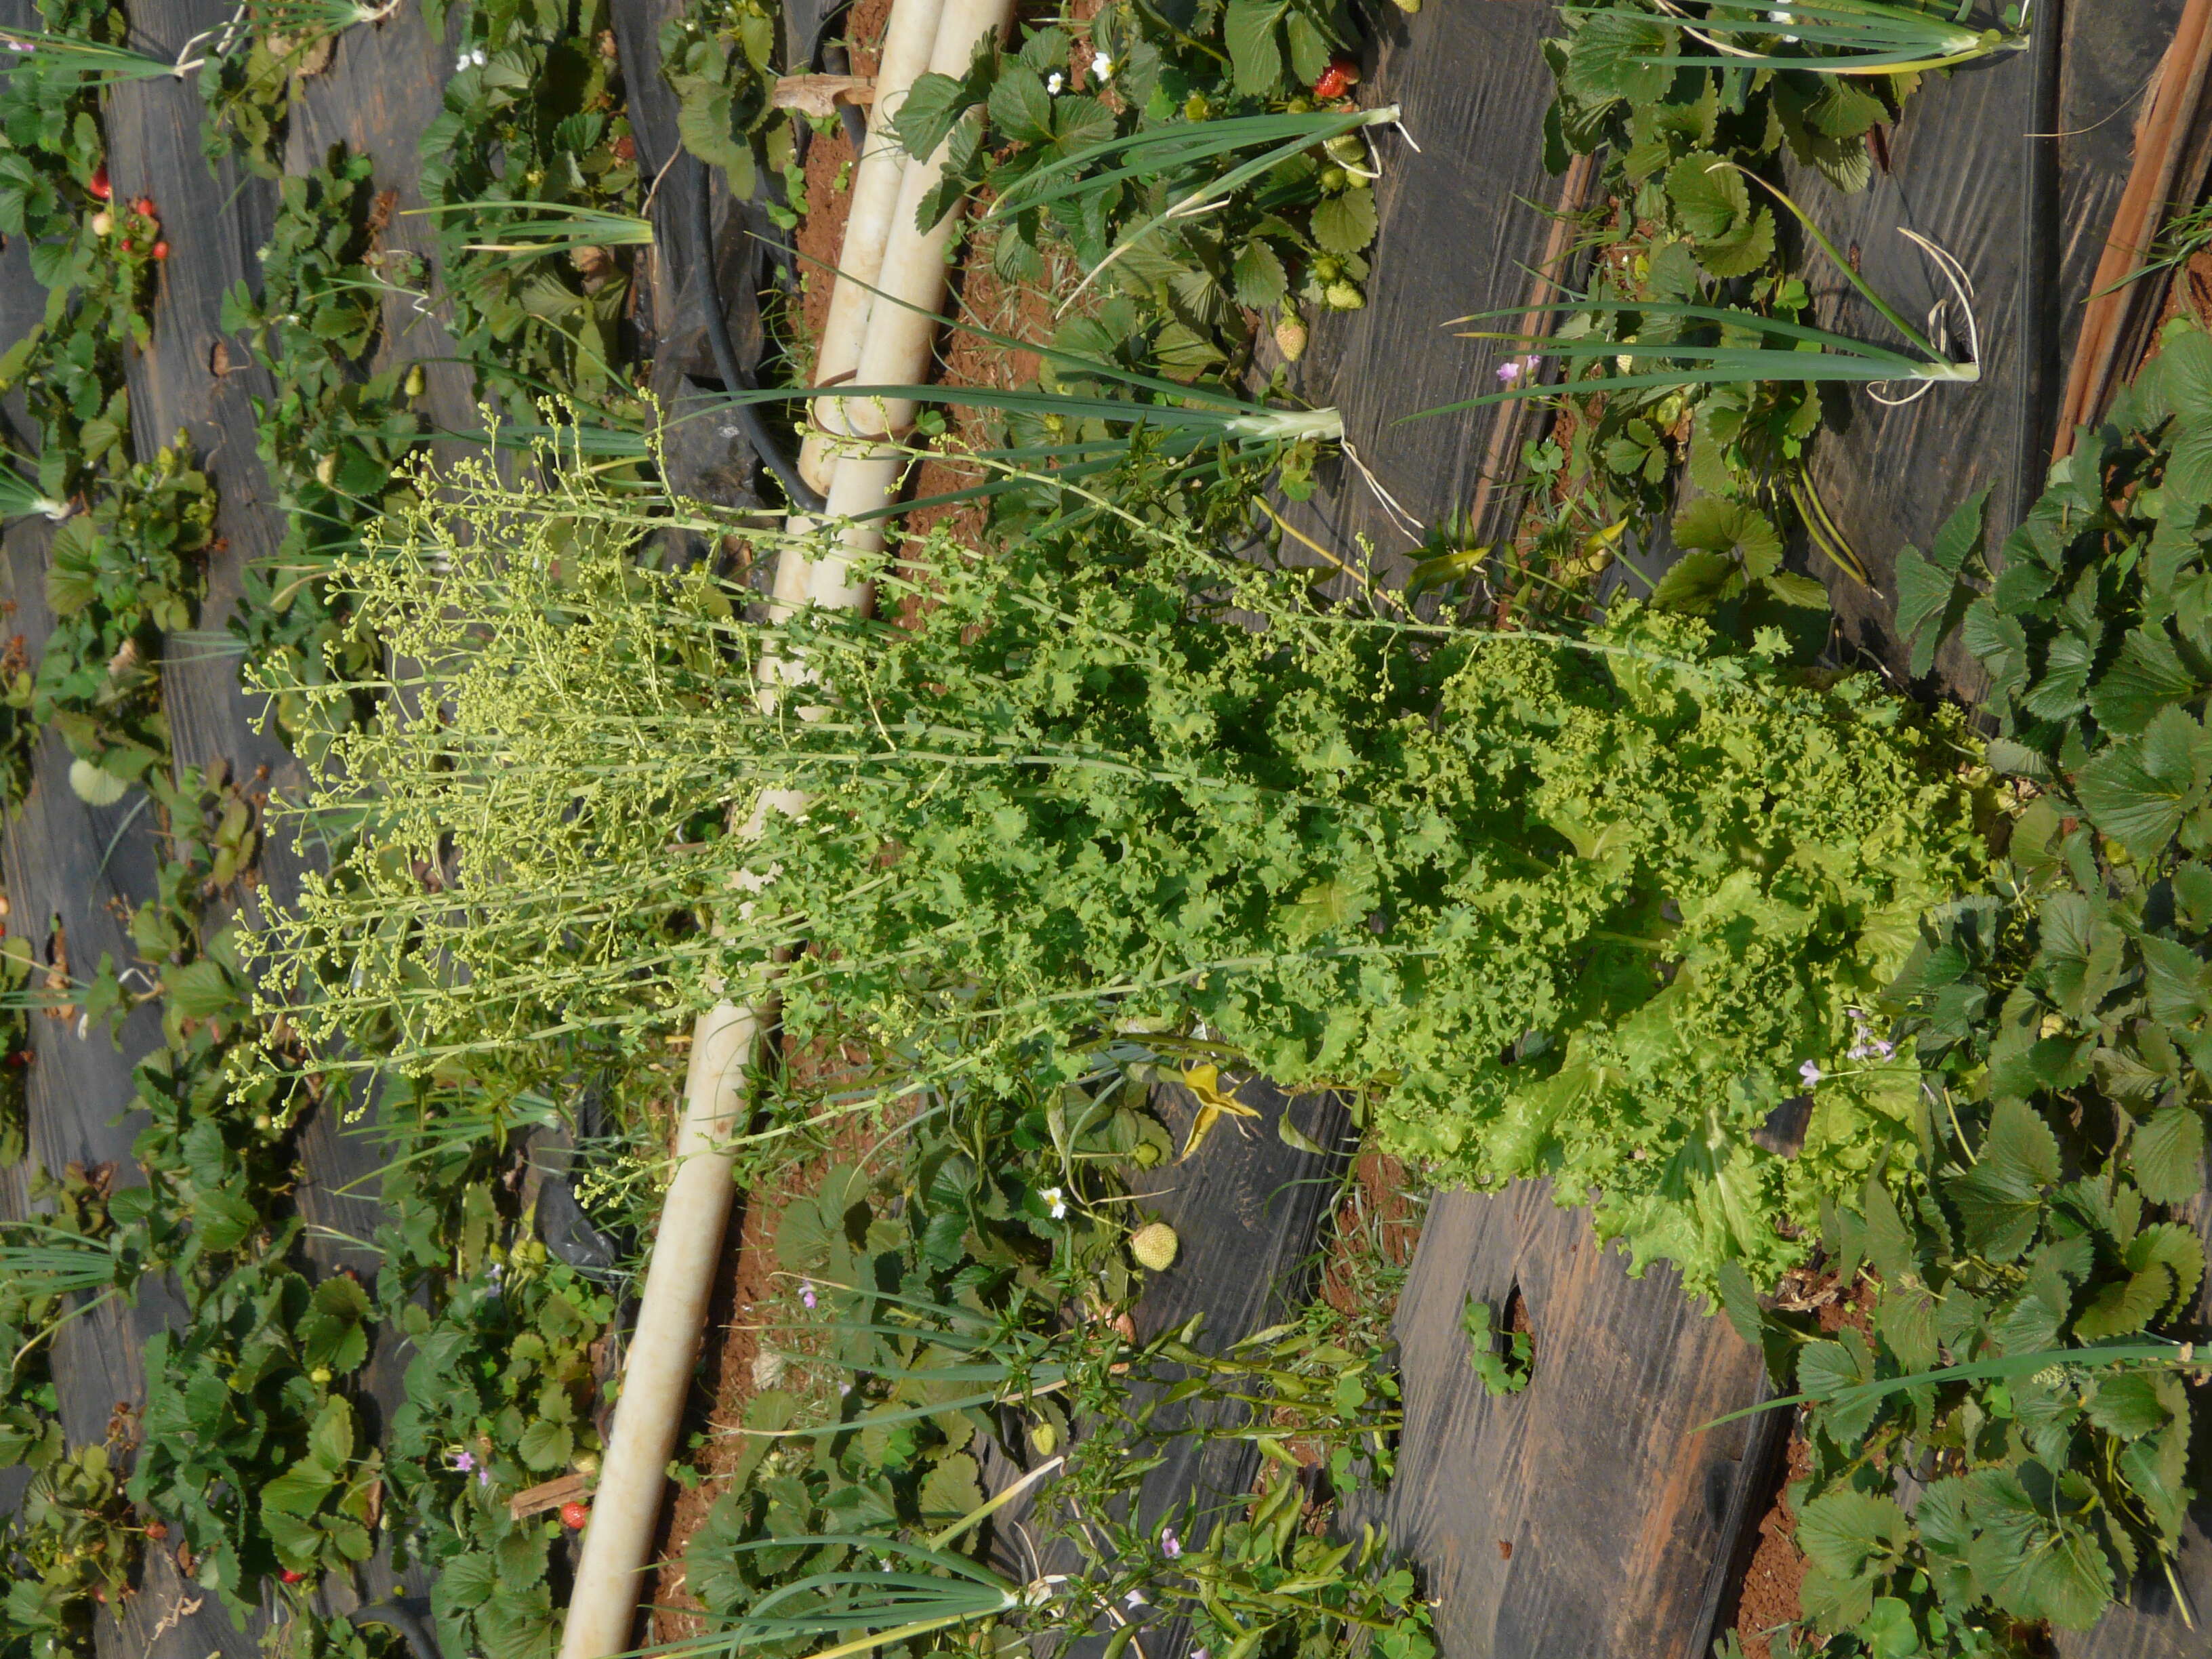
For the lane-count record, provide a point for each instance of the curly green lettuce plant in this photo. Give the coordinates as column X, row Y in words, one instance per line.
column 1587, row 906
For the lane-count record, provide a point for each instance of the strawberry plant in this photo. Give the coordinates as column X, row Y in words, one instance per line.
column 2060, row 1024
column 120, row 578
column 533, row 115
column 332, row 438
column 720, row 59
column 1124, row 118
column 1690, row 137
column 499, row 1397
column 54, row 193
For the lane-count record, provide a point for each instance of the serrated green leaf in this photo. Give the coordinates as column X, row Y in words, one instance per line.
column 1713, row 524
column 1258, row 275
column 2167, row 1154
column 2148, row 676
column 1345, row 224
column 1018, row 105
column 1248, row 29
column 2132, row 1405
column 1610, row 56
column 1852, row 1536
column 1711, row 198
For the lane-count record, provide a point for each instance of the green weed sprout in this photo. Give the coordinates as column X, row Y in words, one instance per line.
column 1824, row 37
column 1179, row 155
column 2156, row 1353
column 310, row 19
column 21, row 499
column 911, row 1590
column 1068, row 436
column 557, row 228
column 1742, row 347
column 90, row 62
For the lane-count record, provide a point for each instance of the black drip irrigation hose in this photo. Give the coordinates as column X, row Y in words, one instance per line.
column 764, row 443
column 422, row 1641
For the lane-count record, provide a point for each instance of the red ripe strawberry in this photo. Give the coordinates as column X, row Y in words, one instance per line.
column 125, row 245
column 160, row 250
column 143, row 206
column 100, row 189
column 573, row 1515
column 290, row 1576
column 1339, row 78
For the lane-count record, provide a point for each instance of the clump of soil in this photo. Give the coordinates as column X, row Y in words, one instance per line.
column 1770, row 1583
column 1377, row 1227
column 1768, row 1598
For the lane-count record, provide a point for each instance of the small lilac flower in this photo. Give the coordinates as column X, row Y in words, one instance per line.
column 20, row 45
column 483, row 1476
column 1135, row 1599
column 806, row 1293
column 464, row 1462
column 1511, row 371
column 1810, row 1071
column 495, row 1272
column 1170, row 1546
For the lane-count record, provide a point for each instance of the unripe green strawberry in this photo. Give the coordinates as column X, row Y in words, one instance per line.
column 1154, row 1245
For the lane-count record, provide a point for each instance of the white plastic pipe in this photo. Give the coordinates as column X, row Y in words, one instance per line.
column 656, row 1379
column 687, row 1246
column 901, row 330
column 910, row 37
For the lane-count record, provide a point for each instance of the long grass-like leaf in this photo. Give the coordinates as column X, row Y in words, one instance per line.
column 560, row 228
column 1870, row 38
column 1838, row 357
column 20, row 498
column 88, row 61
column 2003, row 1367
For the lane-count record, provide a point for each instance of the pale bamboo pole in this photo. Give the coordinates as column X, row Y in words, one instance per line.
column 902, row 327
column 657, row 1371
column 688, row 1242
column 910, row 37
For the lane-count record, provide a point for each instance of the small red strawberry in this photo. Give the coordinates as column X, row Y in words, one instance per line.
column 100, row 189
column 290, row 1576
column 125, row 245
column 573, row 1515
column 143, row 206
column 160, row 250
column 1339, row 78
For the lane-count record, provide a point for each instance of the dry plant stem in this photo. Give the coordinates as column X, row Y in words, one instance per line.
column 1512, row 422
column 2162, row 136
column 902, row 326
column 910, row 37
column 656, row 1375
